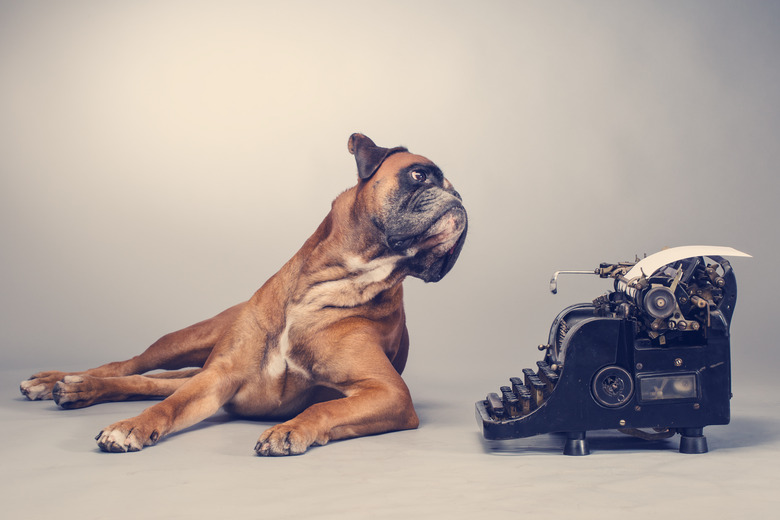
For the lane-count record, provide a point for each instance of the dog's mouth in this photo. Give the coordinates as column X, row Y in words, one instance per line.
column 433, row 252
column 439, row 238
column 443, row 236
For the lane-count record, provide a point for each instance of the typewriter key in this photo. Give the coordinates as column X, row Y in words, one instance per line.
column 537, row 390
column 495, row 405
column 511, row 403
column 527, row 375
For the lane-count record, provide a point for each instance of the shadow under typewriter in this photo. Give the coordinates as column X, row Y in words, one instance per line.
column 597, row 441
column 651, row 360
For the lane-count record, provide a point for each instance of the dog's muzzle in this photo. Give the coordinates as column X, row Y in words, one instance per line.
column 438, row 248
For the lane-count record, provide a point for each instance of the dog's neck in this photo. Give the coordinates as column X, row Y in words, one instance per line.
column 347, row 270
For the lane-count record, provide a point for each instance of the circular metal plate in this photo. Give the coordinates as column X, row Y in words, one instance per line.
column 659, row 302
column 612, row 387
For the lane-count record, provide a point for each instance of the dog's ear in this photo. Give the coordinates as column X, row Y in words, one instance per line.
column 368, row 156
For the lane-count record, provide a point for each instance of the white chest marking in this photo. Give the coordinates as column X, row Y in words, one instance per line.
column 280, row 360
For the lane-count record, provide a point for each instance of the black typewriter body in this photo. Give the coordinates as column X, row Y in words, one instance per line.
column 650, row 359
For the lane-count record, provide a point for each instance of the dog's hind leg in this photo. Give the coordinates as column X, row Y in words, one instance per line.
column 81, row 390
column 189, row 347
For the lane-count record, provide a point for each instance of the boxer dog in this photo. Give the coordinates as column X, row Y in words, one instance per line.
column 321, row 344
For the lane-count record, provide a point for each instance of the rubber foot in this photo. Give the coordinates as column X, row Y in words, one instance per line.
column 576, row 444
column 693, row 444
column 693, row 441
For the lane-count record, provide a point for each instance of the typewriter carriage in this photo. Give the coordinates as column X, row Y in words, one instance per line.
column 651, row 354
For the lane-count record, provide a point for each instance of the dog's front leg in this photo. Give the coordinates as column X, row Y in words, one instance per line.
column 375, row 402
column 197, row 399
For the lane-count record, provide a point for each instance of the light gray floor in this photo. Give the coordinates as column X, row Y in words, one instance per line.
column 51, row 467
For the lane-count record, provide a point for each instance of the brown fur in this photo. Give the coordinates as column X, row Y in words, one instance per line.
column 323, row 341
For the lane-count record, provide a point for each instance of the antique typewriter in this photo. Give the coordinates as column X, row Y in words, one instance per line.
column 649, row 359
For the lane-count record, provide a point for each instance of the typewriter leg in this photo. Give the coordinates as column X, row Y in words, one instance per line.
column 693, row 440
column 576, row 444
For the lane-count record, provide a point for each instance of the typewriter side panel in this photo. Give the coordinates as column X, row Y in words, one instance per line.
column 588, row 346
column 682, row 387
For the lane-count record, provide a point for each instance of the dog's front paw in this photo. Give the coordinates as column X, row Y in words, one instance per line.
column 39, row 386
column 284, row 439
column 126, row 436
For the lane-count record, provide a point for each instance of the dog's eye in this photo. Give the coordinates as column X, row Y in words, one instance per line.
column 418, row 176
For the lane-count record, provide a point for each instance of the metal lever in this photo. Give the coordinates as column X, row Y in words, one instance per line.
column 554, row 279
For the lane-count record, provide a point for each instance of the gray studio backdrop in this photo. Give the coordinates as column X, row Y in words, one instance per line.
column 160, row 160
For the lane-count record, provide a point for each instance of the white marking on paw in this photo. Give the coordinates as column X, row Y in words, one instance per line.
column 33, row 391
column 118, row 441
column 73, row 379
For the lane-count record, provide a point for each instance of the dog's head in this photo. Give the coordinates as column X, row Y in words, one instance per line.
column 413, row 207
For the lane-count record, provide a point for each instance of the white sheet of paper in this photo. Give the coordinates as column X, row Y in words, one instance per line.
column 655, row 261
